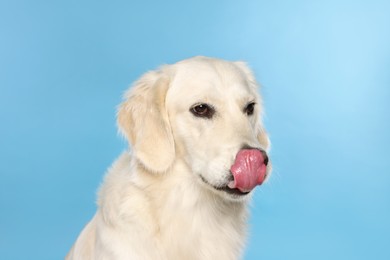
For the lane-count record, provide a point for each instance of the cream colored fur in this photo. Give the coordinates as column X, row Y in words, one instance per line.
column 159, row 201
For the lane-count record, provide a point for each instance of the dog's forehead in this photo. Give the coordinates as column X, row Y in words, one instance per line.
column 211, row 80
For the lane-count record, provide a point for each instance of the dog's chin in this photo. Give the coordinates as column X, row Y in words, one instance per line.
column 226, row 192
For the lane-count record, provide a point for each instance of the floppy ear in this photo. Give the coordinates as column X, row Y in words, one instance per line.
column 262, row 135
column 263, row 139
column 143, row 120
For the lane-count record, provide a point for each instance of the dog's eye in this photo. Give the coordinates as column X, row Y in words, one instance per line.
column 202, row 110
column 249, row 109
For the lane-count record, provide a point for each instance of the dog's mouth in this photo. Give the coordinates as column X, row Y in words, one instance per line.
column 226, row 188
column 233, row 191
column 248, row 170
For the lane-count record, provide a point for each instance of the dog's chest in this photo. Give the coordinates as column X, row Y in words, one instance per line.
column 202, row 233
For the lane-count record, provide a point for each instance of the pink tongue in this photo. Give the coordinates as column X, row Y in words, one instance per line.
column 248, row 169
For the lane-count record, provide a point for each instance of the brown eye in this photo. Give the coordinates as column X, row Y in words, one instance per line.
column 202, row 110
column 249, row 109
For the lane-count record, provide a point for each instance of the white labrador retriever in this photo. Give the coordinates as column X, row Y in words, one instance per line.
column 198, row 150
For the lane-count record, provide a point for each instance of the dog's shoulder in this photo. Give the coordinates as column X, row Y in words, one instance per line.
column 121, row 198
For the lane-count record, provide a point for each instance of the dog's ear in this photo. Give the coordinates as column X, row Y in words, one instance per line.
column 263, row 139
column 143, row 120
column 262, row 135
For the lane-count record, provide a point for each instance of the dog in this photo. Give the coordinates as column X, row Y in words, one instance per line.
column 198, row 150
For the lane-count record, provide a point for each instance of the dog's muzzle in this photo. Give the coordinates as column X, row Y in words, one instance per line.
column 249, row 169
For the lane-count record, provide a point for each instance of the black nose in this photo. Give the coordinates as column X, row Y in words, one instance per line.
column 265, row 156
column 264, row 153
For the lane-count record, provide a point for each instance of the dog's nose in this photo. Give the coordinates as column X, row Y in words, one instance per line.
column 249, row 169
column 264, row 153
column 265, row 156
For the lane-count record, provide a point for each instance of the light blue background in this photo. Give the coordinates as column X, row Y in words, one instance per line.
column 325, row 71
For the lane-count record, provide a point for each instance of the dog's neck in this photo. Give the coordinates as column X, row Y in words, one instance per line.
column 175, row 211
column 199, row 211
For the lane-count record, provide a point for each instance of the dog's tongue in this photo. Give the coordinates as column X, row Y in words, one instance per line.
column 248, row 170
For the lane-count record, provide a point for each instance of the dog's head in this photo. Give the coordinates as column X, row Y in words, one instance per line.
column 206, row 112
